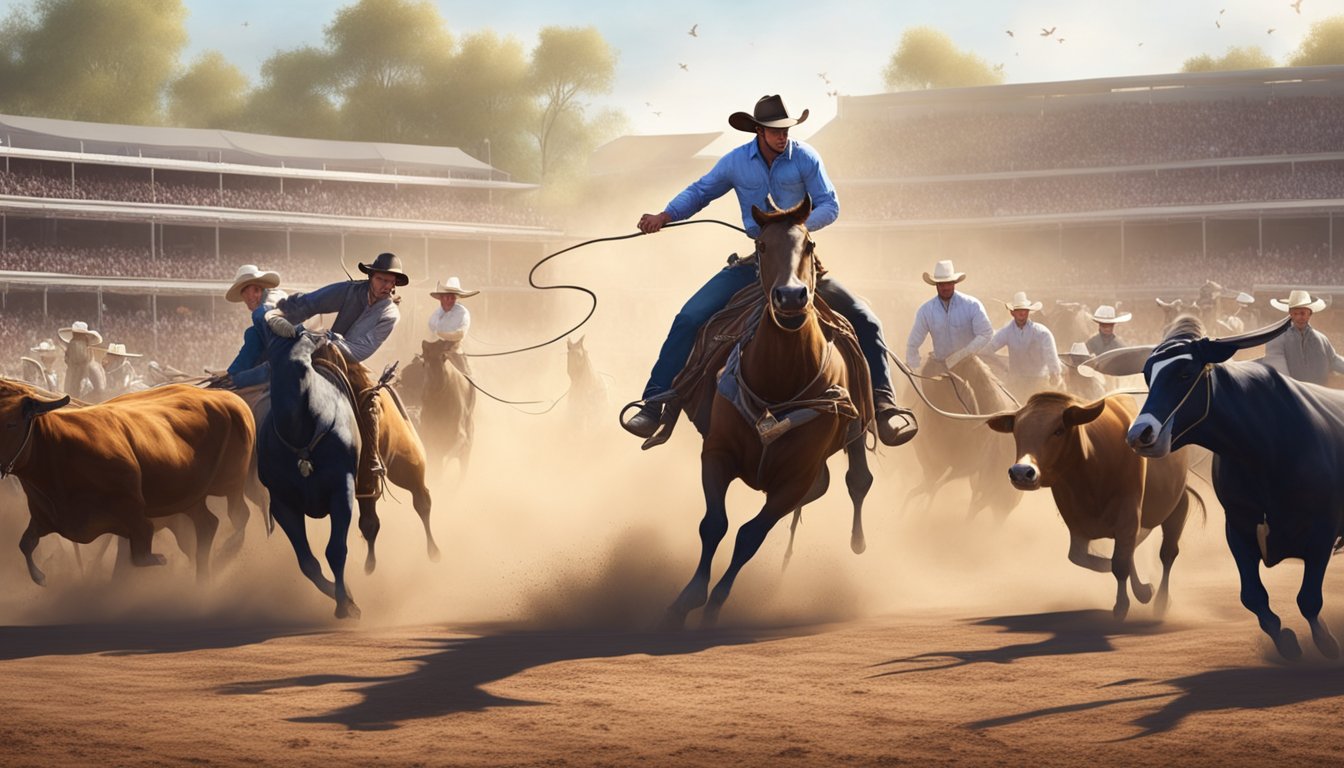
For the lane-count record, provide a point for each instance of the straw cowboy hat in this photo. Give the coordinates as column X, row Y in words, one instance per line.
column 1076, row 356
column 80, row 328
column 389, row 263
column 1297, row 299
column 46, row 345
column 769, row 112
column 1106, row 314
column 451, row 285
column 120, row 350
column 1020, row 301
column 944, row 272
column 250, row 274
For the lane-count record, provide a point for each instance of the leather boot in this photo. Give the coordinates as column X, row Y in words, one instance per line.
column 645, row 421
column 895, row 425
column 368, row 480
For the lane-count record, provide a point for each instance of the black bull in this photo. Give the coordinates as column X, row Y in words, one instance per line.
column 1278, row 448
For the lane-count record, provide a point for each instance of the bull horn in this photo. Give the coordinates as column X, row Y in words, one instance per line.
column 36, row 406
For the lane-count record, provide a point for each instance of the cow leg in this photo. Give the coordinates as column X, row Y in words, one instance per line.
column 749, row 539
column 1172, row 528
column 715, row 476
column 369, row 525
column 817, row 490
column 292, row 523
column 1309, row 600
column 1246, row 553
column 142, row 544
column 858, row 480
column 1080, row 556
column 337, row 548
column 238, row 515
column 1122, row 564
column 206, row 525
column 27, row 543
column 929, row 485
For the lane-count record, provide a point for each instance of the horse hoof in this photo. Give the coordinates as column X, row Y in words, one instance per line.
column 858, row 545
column 1120, row 611
column 434, row 554
column 710, row 618
column 1287, row 645
column 347, row 610
column 39, row 578
column 152, row 559
column 673, row 621
column 1161, row 606
column 1143, row 593
column 369, row 565
column 1325, row 642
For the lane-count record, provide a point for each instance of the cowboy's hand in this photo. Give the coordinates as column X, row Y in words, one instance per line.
column 652, row 222
column 275, row 320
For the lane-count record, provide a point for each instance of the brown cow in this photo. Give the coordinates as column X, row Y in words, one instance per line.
column 112, row 468
column 1102, row 488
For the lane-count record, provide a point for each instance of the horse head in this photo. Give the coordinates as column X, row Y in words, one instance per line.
column 787, row 263
column 576, row 360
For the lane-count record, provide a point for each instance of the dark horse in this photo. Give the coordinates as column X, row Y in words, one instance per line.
column 791, row 366
column 307, row 456
column 1278, row 446
column 447, row 403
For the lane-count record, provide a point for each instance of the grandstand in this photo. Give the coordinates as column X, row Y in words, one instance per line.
column 138, row 230
column 1103, row 189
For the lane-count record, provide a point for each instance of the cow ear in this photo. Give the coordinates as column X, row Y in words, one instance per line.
column 1002, row 422
column 1077, row 415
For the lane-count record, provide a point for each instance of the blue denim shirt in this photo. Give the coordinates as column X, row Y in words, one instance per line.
column 249, row 366
column 796, row 171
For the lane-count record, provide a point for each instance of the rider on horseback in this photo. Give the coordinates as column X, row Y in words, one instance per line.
column 254, row 288
column 770, row 171
column 451, row 321
column 366, row 312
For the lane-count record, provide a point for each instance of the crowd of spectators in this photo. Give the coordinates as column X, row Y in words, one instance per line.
column 1091, row 135
column 172, row 263
column 377, row 201
column 1094, row 192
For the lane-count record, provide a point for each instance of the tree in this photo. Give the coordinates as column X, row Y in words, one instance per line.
column 568, row 63
column 1237, row 57
column 295, row 96
column 926, row 58
column 1324, row 44
column 98, row 60
column 380, row 50
column 211, row 94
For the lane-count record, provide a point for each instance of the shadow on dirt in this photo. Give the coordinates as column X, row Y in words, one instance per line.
column 140, row 638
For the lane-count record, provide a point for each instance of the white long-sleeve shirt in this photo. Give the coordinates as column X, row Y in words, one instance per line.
column 1031, row 350
column 451, row 325
column 959, row 328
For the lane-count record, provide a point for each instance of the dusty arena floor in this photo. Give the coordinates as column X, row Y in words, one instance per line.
column 948, row 642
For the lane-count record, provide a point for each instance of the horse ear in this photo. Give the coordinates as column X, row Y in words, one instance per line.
column 801, row 211
column 579, row 343
column 759, row 216
column 1078, row 415
column 1002, row 422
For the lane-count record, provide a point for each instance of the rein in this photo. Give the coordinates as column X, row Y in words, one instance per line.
column 8, row 468
column 1206, row 375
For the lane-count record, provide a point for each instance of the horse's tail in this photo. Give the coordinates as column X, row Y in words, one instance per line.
column 1203, row 506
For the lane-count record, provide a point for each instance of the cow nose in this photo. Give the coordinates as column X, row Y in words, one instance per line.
column 1023, row 474
column 790, row 297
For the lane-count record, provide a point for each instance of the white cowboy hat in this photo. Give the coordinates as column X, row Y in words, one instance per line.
column 451, row 285
column 77, row 328
column 247, row 275
column 1020, row 301
column 1245, row 299
column 1076, row 356
column 944, row 272
column 1298, row 298
column 115, row 348
column 1106, row 314
column 46, row 345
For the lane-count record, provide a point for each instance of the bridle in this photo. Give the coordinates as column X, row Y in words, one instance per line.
column 810, row 253
column 1205, row 375
column 8, row 468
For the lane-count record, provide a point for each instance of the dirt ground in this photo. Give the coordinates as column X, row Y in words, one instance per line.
column 950, row 641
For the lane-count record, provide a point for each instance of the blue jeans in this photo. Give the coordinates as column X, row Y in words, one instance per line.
column 712, row 296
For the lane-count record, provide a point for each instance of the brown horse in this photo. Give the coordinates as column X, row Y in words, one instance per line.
column 447, row 403
column 791, row 365
column 957, row 449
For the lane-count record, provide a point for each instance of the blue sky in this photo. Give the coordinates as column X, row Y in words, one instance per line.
column 748, row 48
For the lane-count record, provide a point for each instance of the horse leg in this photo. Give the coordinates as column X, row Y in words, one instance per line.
column 407, row 473
column 206, row 525
column 715, row 476
column 1309, row 600
column 749, row 539
column 858, row 479
column 185, row 533
column 27, row 543
column 1172, row 528
column 1142, row 590
column 336, row 552
column 1246, row 553
column 369, row 524
column 817, row 490
column 929, row 485
column 1122, row 564
column 1080, row 556
column 292, row 523
column 238, row 516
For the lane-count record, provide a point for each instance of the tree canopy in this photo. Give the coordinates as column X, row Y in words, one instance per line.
column 1324, row 44
column 1237, row 57
column 927, row 58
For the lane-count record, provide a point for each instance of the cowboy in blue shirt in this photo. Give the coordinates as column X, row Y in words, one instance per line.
column 771, row 167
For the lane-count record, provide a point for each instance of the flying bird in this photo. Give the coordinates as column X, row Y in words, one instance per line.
column 1217, row 23
column 245, row 23
column 824, row 78
column 833, row 93
column 693, row 33
column 1297, row 6
column 1140, row 45
column 1047, row 32
column 657, row 114
column 1220, row 13
column 1270, row 31
column 1009, row 32
column 1060, row 39
column 683, row 66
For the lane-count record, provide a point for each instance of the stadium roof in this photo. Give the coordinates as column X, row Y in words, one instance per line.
column 234, row 147
column 635, row 154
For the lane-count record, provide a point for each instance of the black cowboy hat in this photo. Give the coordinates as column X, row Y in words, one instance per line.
column 389, row 263
column 769, row 112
